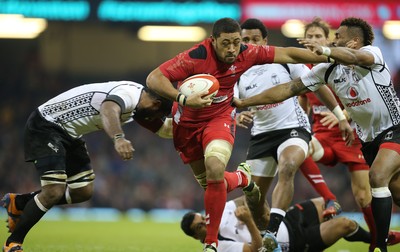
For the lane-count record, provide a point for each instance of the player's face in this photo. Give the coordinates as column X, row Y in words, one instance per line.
column 341, row 36
column 253, row 36
column 199, row 227
column 316, row 34
column 227, row 46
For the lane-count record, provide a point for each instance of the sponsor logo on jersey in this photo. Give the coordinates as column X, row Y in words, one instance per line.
column 294, row 133
column 54, row 148
column 343, row 79
column 220, row 99
column 358, row 103
column 389, row 135
column 319, row 109
column 251, row 86
column 352, row 93
column 269, row 106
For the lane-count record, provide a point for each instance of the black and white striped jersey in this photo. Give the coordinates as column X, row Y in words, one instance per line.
column 367, row 93
column 77, row 110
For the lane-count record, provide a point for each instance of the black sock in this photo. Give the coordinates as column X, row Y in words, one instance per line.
column 274, row 222
column 359, row 235
column 382, row 210
column 31, row 215
column 22, row 199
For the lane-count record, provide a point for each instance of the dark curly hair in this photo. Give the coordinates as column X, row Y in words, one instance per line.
column 186, row 222
column 359, row 27
column 253, row 23
column 225, row 25
column 319, row 23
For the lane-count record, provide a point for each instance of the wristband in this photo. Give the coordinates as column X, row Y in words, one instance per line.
column 118, row 136
column 326, row 51
column 338, row 112
column 181, row 99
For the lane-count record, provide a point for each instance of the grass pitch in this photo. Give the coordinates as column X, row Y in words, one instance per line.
column 124, row 235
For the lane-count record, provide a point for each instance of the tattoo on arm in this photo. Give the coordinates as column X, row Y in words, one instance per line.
column 297, row 87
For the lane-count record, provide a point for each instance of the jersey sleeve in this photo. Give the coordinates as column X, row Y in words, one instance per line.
column 126, row 96
column 178, row 68
column 265, row 54
column 376, row 52
column 314, row 79
column 298, row 70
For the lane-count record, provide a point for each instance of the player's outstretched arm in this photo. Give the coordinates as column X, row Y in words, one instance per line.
column 273, row 95
column 297, row 55
column 343, row 55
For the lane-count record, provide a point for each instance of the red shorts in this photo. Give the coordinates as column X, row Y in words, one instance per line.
column 336, row 151
column 190, row 140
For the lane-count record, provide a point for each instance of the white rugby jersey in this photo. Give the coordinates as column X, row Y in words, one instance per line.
column 282, row 115
column 367, row 93
column 233, row 234
column 77, row 110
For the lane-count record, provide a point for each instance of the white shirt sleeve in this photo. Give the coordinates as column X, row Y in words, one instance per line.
column 129, row 95
column 314, row 79
column 298, row 70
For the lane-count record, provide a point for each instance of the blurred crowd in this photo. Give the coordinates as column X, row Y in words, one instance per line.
column 154, row 178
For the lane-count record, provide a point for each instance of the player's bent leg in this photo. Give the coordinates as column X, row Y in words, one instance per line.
column 383, row 168
column 217, row 154
column 8, row 202
column 394, row 187
column 334, row 229
column 263, row 173
column 80, row 187
column 360, row 187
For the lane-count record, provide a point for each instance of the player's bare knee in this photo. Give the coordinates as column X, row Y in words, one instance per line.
column 377, row 179
column 287, row 171
column 349, row 226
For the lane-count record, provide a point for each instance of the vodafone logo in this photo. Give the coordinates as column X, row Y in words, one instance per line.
column 352, row 93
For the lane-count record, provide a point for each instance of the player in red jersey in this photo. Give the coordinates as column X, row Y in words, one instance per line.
column 328, row 146
column 204, row 128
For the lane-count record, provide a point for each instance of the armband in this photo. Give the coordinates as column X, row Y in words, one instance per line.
column 181, row 99
column 338, row 112
column 118, row 136
column 326, row 51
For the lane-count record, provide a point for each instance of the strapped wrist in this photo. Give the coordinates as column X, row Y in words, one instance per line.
column 181, row 99
column 338, row 112
column 326, row 51
column 118, row 136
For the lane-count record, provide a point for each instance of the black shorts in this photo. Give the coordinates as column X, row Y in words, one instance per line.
column 51, row 148
column 303, row 225
column 370, row 149
column 266, row 144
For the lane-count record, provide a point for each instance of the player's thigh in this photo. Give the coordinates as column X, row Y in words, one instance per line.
column 292, row 152
column 385, row 165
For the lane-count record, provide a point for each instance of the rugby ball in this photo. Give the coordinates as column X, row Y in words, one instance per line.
column 199, row 83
